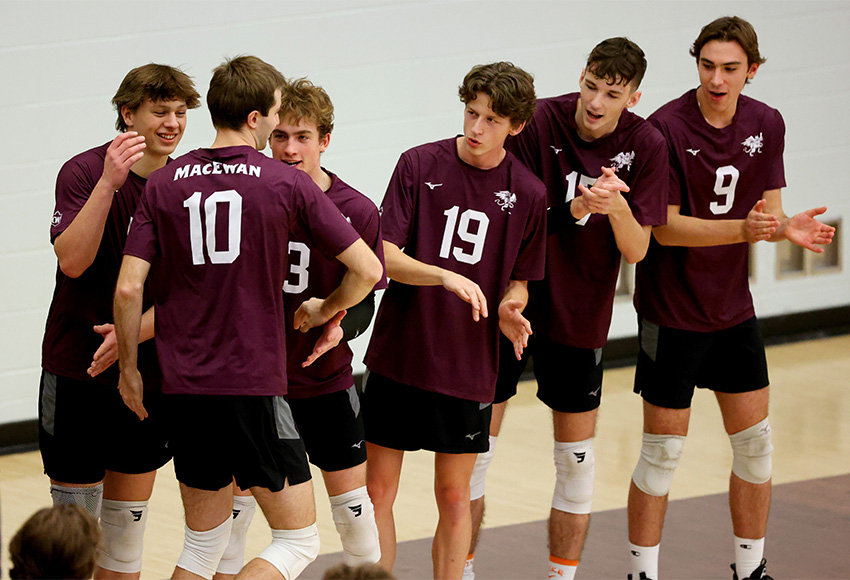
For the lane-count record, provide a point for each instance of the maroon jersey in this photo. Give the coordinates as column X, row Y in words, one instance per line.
column 715, row 174
column 80, row 303
column 487, row 225
column 215, row 226
column 311, row 274
column 573, row 304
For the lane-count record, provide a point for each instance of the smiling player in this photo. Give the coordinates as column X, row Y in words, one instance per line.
column 321, row 385
column 92, row 446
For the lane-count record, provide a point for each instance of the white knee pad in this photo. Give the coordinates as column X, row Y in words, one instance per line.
column 354, row 518
column 751, row 452
column 233, row 558
column 479, row 472
column 574, row 474
column 88, row 498
column 123, row 527
column 202, row 550
column 292, row 550
column 659, row 456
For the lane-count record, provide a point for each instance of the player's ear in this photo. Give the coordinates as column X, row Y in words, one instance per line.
column 752, row 70
column 581, row 78
column 324, row 141
column 127, row 114
column 634, row 98
column 517, row 129
column 253, row 118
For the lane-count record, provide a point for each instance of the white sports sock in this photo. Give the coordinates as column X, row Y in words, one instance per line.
column 560, row 568
column 748, row 555
column 644, row 559
column 468, row 573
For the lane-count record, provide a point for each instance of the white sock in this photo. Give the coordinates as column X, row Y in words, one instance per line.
column 748, row 555
column 560, row 568
column 468, row 573
column 644, row 559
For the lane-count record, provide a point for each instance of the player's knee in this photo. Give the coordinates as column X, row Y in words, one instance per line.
column 574, row 473
column 659, row 456
column 354, row 518
column 202, row 550
column 452, row 498
column 479, row 472
column 88, row 498
column 751, row 452
column 233, row 558
column 123, row 528
column 292, row 550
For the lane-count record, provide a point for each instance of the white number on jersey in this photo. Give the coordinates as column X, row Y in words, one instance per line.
column 573, row 181
column 724, row 188
column 234, row 226
column 299, row 269
column 464, row 232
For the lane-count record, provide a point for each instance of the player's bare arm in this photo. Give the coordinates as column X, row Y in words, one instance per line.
column 407, row 270
column 77, row 246
column 512, row 323
column 127, row 309
column 803, row 228
column 364, row 271
column 107, row 353
column 682, row 230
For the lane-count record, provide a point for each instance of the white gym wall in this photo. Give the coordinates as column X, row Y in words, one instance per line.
column 392, row 69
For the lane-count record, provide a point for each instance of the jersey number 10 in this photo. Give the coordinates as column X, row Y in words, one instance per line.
column 234, row 226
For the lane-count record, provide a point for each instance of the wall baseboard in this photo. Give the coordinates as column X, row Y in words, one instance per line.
column 23, row 435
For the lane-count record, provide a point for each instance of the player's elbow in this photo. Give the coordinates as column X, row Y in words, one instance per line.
column 374, row 271
column 635, row 256
column 663, row 236
column 127, row 292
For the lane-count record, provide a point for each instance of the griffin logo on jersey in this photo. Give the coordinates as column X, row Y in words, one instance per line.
column 752, row 144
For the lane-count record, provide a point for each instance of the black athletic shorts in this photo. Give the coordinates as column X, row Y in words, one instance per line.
column 569, row 379
column 85, row 429
column 403, row 417
column 672, row 362
column 332, row 429
column 215, row 438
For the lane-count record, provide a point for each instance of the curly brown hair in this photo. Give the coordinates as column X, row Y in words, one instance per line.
column 511, row 90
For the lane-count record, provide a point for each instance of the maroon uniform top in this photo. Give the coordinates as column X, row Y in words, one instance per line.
column 574, row 303
column 80, row 303
column 311, row 274
column 715, row 174
column 215, row 226
column 487, row 225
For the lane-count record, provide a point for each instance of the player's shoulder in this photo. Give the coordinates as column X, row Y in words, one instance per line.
column 432, row 150
column 750, row 107
column 341, row 193
column 88, row 161
column 522, row 177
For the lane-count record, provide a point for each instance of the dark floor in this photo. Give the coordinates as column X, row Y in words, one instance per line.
column 808, row 537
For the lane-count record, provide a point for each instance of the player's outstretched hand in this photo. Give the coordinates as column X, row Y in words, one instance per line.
column 331, row 336
column 514, row 325
column 107, row 353
column 804, row 230
column 310, row 315
column 132, row 391
column 468, row 291
column 122, row 153
column 759, row 225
